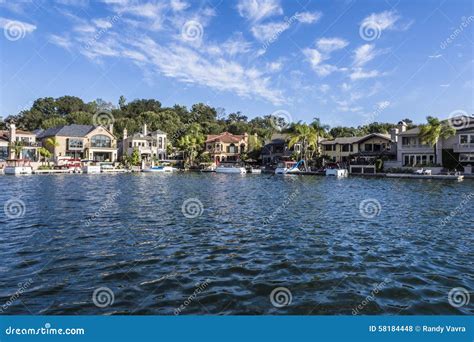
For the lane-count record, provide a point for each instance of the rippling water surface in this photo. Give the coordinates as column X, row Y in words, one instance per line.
column 220, row 244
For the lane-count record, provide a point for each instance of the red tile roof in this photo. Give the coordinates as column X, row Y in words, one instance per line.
column 225, row 137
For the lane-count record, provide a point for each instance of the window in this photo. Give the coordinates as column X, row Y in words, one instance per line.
column 75, row 144
column 417, row 159
column 329, row 147
column 160, row 142
column 466, row 157
column 377, row 147
column 463, row 138
column 101, row 141
column 346, row 148
column 368, row 147
column 130, row 144
column 3, row 152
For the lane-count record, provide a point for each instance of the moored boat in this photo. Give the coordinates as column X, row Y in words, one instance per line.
column 288, row 167
column 18, row 167
column 334, row 169
column 159, row 169
column 230, row 168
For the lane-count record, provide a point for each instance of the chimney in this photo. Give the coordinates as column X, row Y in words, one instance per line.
column 12, row 132
column 402, row 126
column 394, row 134
column 111, row 128
column 145, row 130
column 125, row 134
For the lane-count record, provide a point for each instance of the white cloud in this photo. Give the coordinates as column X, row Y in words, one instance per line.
column 178, row 5
column 270, row 31
column 359, row 74
column 10, row 24
column 364, row 54
column 324, row 88
column 445, row 85
column 63, row 42
column 435, row 56
column 274, row 66
column 257, row 10
column 308, row 17
column 329, row 45
column 384, row 21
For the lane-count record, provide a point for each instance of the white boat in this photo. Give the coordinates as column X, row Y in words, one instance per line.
column 229, row 168
column 159, row 169
column 91, row 169
column 337, row 172
column 254, row 170
column 18, row 167
column 286, row 167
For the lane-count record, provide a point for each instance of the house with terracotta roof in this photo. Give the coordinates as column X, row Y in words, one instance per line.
column 226, row 147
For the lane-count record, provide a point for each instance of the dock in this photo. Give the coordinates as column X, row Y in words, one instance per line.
column 413, row 176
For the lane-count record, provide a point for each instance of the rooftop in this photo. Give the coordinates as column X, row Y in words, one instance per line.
column 225, row 137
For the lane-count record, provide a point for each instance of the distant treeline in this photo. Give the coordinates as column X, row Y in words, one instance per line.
column 50, row 112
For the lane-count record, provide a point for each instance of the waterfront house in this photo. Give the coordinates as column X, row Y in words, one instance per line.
column 95, row 143
column 226, row 147
column 411, row 151
column 25, row 139
column 365, row 148
column 150, row 145
column 276, row 149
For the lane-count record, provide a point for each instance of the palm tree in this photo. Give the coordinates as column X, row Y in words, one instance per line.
column 307, row 136
column 16, row 147
column 43, row 152
column 51, row 143
column 191, row 142
column 433, row 131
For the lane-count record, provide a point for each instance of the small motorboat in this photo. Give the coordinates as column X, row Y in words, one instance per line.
column 334, row 169
column 18, row 167
column 230, row 168
column 159, row 169
column 286, row 167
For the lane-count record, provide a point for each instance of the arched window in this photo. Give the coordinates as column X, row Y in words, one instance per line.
column 101, row 141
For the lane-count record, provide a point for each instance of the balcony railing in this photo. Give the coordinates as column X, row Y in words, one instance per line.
column 463, row 147
column 413, row 146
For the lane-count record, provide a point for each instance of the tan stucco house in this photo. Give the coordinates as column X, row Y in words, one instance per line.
column 226, row 147
column 89, row 142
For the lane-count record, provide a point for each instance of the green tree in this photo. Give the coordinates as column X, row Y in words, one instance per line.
column 135, row 158
column 43, row 152
column 191, row 143
column 307, row 137
column 80, row 118
column 17, row 147
column 53, row 122
column 433, row 131
column 51, row 143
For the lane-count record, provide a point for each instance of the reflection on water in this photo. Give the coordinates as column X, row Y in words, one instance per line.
column 311, row 242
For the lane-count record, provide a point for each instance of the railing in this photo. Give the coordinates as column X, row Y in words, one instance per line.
column 89, row 145
column 463, row 147
column 416, row 146
column 31, row 144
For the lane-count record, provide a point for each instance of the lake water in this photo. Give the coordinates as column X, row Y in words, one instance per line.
column 235, row 244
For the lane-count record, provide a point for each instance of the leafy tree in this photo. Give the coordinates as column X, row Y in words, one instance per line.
column 433, row 131
column 17, row 146
column 53, row 122
column 51, row 143
column 307, row 136
column 135, row 158
column 80, row 118
column 43, row 152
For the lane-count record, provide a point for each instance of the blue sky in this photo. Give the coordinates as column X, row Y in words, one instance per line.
column 347, row 62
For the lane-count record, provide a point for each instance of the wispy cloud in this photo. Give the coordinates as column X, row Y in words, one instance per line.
column 25, row 27
column 257, row 10
column 308, row 17
column 316, row 57
column 359, row 74
column 329, row 45
column 386, row 20
column 365, row 53
column 435, row 56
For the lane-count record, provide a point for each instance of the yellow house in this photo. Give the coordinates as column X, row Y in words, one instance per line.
column 95, row 143
column 226, row 146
